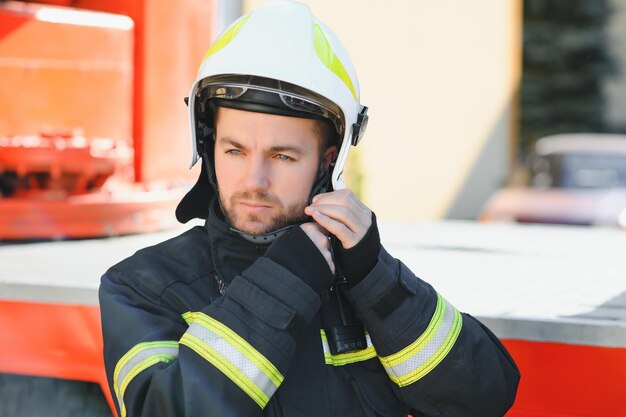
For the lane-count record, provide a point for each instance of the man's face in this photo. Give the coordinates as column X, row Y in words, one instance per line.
column 265, row 166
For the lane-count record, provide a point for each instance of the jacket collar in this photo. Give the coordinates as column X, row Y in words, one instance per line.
column 231, row 254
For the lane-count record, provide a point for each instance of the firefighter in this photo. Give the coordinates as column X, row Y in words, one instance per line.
column 285, row 303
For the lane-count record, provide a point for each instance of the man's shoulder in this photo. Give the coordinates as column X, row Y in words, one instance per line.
column 183, row 258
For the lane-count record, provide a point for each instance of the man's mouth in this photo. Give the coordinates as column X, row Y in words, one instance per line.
column 254, row 206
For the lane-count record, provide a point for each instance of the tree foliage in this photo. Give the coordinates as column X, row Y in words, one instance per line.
column 566, row 58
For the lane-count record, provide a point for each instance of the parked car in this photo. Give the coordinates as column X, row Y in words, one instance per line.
column 577, row 179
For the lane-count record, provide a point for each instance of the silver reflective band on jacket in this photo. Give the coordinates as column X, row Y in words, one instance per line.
column 234, row 357
column 422, row 356
column 139, row 358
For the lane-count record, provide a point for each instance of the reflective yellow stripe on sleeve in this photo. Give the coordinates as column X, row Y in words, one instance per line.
column 346, row 358
column 234, row 357
column 139, row 358
column 190, row 316
column 422, row 356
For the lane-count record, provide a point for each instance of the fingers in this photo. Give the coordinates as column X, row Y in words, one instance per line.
column 344, row 198
column 342, row 214
column 320, row 238
column 346, row 236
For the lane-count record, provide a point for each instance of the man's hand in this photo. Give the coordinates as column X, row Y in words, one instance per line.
column 342, row 214
column 321, row 239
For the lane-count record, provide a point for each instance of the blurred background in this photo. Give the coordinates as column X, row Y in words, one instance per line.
column 485, row 117
column 458, row 94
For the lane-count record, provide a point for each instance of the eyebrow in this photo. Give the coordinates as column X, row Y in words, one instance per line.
column 278, row 148
column 229, row 141
column 293, row 149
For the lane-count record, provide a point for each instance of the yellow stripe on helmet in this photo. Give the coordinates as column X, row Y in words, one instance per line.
column 326, row 54
column 226, row 37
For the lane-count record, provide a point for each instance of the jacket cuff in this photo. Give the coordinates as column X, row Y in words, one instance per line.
column 297, row 253
column 274, row 295
column 359, row 260
column 393, row 302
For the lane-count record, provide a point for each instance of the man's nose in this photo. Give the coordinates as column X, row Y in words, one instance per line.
column 257, row 174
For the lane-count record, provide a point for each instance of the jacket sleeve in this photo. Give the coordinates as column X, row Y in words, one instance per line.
column 441, row 362
column 225, row 360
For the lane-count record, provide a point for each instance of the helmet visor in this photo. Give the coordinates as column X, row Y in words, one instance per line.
column 292, row 97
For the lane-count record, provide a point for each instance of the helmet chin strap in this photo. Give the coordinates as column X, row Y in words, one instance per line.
column 322, row 184
column 262, row 239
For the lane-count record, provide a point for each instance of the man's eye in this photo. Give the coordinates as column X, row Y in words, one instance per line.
column 233, row 152
column 283, row 157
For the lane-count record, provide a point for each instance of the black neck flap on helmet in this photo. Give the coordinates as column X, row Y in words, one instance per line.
column 196, row 203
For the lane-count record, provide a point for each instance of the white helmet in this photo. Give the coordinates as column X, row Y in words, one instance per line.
column 279, row 59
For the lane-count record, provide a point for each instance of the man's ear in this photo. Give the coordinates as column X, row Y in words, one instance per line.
column 330, row 155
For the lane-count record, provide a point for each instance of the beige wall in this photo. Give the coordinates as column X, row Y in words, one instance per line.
column 439, row 78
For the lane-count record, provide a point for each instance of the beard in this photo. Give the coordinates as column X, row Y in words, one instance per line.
column 286, row 216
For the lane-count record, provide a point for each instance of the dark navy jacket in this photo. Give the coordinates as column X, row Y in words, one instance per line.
column 175, row 346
